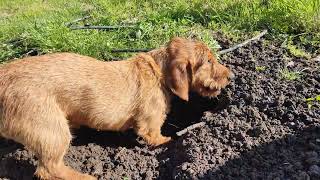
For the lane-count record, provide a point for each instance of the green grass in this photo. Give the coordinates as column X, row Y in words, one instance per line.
column 316, row 98
column 297, row 52
column 260, row 68
column 290, row 75
column 312, row 100
column 40, row 25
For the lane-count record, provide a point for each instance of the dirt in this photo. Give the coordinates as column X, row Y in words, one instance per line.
column 260, row 127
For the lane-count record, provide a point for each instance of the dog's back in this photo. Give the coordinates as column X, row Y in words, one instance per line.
column 88, row 91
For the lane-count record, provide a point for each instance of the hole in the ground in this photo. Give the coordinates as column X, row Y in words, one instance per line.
column 183, row 114
column 84, row 136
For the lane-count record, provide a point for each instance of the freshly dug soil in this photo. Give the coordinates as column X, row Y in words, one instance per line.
column 260, row 127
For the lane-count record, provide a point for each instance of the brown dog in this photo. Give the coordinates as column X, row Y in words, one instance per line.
column 42, row 97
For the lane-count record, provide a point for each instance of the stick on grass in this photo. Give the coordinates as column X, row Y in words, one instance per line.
column 100, row 27
column 242, row 44
column 77, row 20
column 219, row 52
column 130, row 50
column 189, row 128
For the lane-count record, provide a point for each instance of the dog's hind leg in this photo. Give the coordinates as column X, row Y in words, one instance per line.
column 51, row 150
column 42, row 127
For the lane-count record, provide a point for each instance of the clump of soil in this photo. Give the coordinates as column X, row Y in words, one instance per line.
column 260, row 127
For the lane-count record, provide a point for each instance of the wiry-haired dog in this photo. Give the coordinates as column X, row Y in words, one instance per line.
column 42, row 97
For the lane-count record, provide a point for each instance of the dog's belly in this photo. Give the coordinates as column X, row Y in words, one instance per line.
column 115, row 126
column 105, row 122
column 108, row 125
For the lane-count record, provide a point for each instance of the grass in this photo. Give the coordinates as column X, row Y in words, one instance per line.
column 316, row 98
column 312, row 100
column 260, row 68
column 39, row 25
column 290, row 75
column 296, row 51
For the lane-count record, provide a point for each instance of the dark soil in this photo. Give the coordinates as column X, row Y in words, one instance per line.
column 260, row 127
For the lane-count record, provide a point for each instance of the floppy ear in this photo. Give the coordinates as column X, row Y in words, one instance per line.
column 180, row 54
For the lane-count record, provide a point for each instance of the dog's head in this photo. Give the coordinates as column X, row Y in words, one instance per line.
column 192, row 67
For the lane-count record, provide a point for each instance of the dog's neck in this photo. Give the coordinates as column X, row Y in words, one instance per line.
column 161, row 57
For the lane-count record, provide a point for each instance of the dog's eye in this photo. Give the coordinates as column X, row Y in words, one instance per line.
column 210, row 62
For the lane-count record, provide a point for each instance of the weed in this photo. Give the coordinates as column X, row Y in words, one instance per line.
column 260, row 68
column 317, row 98
column 312, row 100
column 290, row 75
column 297, row 52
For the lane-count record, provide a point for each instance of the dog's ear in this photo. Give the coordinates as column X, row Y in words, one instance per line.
column 179, row 75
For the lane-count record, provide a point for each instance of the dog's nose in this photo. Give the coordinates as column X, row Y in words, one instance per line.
column 231, row 76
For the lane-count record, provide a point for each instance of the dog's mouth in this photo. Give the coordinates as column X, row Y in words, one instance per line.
column 210, row 92
column 209, row 88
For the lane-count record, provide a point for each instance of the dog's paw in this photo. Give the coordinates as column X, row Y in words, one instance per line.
column 88, row 177
column 159, row 141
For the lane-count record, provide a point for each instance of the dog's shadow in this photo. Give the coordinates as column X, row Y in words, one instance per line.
column 182, row 115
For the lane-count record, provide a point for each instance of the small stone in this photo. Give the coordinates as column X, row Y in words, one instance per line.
column 314, row 171
column 311, row 154
column 149, row 175
column 292, row 123
column 302, row 175
column 313, row 146
column 184, row 166
column 237, row 144
column 248, row 144
column 197, row 149
column 98, row 169
column 298, row 165
column 312, row 157
column 240, row 136
column 290, row 64
column 313, row 160
column 317, row 58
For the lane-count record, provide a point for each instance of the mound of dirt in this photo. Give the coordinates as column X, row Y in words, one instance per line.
column 260, row 127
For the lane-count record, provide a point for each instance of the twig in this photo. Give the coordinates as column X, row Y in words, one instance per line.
column 130, row 50
column 173, row 125
column 243, row 44
column 99, row 27
column 189, row 128
column 219, row 52
column 77, row 20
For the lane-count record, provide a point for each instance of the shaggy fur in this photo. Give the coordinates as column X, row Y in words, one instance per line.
column 42, row 97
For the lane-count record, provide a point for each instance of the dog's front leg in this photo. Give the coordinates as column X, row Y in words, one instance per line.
column 150, row 130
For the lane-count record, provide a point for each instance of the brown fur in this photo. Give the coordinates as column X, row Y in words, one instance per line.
column 42, row 97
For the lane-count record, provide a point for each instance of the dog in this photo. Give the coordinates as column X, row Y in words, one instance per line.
column 43, row 97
